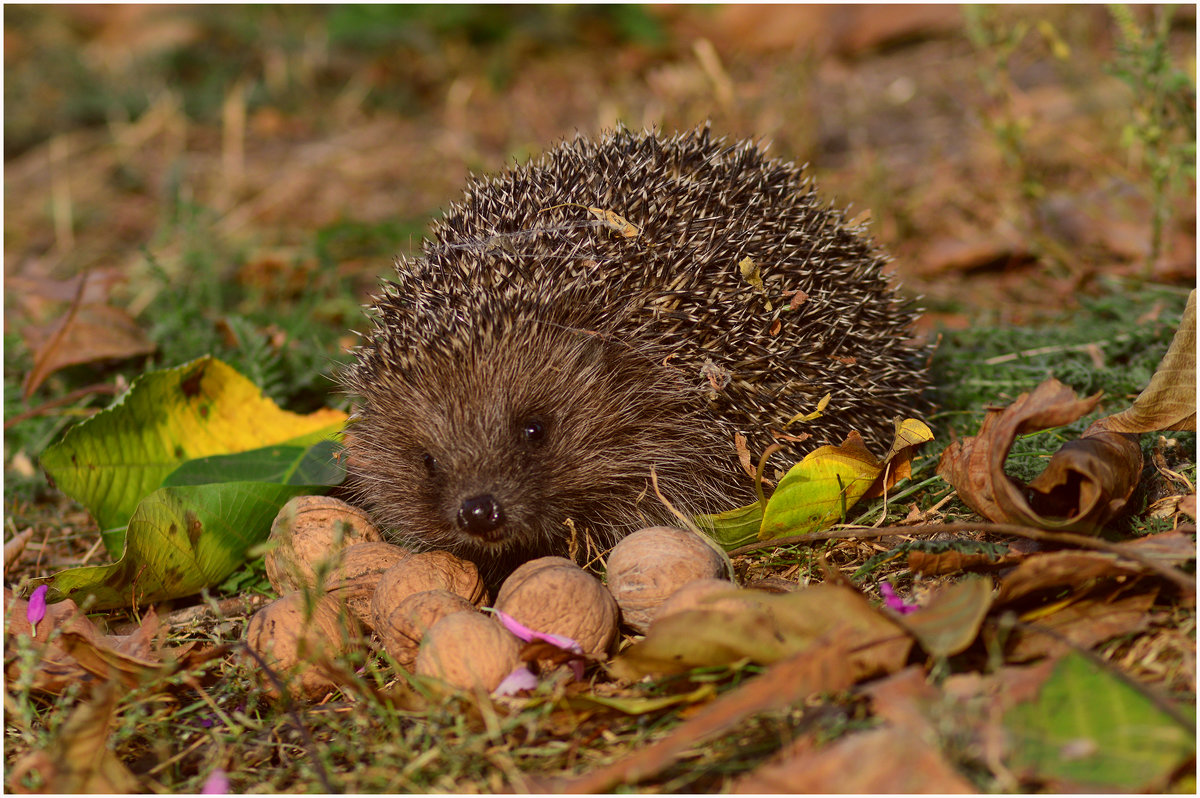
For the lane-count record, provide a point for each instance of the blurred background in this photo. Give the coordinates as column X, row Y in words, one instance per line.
column 236, row 179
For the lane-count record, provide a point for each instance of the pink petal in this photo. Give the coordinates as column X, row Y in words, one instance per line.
column 520, row 679
column 217, row 783
column 525, row 633
column 894, row 602
column 37, row 607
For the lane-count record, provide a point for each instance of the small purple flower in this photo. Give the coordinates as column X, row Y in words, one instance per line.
column 894, row 602
column 520, row 679
column 37, row 607
column 217, row 783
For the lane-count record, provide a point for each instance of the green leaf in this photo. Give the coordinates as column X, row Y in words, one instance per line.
column 180, row 540
column 284, row 465
column 114, row 459
column 819, row 490
column 1092, row 730
column 733, row 528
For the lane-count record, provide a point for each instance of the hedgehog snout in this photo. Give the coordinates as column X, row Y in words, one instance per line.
column 481, row 516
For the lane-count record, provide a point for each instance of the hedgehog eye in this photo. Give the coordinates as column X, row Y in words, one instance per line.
column 533, row 430
column 431, row 465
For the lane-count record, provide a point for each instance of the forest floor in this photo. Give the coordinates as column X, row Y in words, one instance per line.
column 182, row 181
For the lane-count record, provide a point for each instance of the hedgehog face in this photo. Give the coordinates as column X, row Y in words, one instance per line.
column 495, row 451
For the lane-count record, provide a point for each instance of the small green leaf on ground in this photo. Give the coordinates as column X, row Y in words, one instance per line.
column 1089, row 730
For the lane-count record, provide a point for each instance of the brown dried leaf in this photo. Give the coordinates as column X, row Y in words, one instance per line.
column 1048, row 574
column 79, row 760
column 767, row 628
column 1086, row 483
column 929, row 563
column 886, row 760
column 1169, row 401
column 81, row 652
column 1084, row 623
column 14, row 547
column 821, row 668
column 86, row 334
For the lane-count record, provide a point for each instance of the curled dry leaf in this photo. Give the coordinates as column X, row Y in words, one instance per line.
column 1087, row 482
column 646, row 567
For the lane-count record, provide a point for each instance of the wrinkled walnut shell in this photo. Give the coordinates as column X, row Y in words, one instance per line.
column 469, row 650
column 426, row 570
column 407, row 623
column 649, row 565
column 556, row 596
column 357, row 575
column 309, row 530
column 293, row 643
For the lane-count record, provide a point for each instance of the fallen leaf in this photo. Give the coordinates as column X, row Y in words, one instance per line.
column 114, row 459
column 87, row 333
column 1088, row 730
column 1086, row 483
column 1049, row 573
column 1083, row 622
column 929, row 563
column 1169, row 401
column 821, row 488
column 819, row 669
column 766, row 628
column 14, row 547
column 887, row 760
column 72, row 649
column 949, row 622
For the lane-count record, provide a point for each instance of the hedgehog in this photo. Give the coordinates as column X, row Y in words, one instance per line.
column 588, row 341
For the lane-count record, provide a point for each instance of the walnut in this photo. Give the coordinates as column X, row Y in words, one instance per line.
column 649, row 565
column 308, row 533
column 556, row 596
column 294, row 634
column 357, row 574
column 427, row 570
column 406, row 624
column 469, row 650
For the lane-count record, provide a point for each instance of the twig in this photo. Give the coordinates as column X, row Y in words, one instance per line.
column 1184, row 581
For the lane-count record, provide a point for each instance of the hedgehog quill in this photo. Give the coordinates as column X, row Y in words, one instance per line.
column 615, row 307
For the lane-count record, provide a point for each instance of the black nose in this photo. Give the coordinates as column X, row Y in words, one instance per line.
column 480, row 515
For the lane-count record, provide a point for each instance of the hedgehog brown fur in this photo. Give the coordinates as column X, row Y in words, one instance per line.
column 594, row 315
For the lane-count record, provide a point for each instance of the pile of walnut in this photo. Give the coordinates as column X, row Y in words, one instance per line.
column 337, row 577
